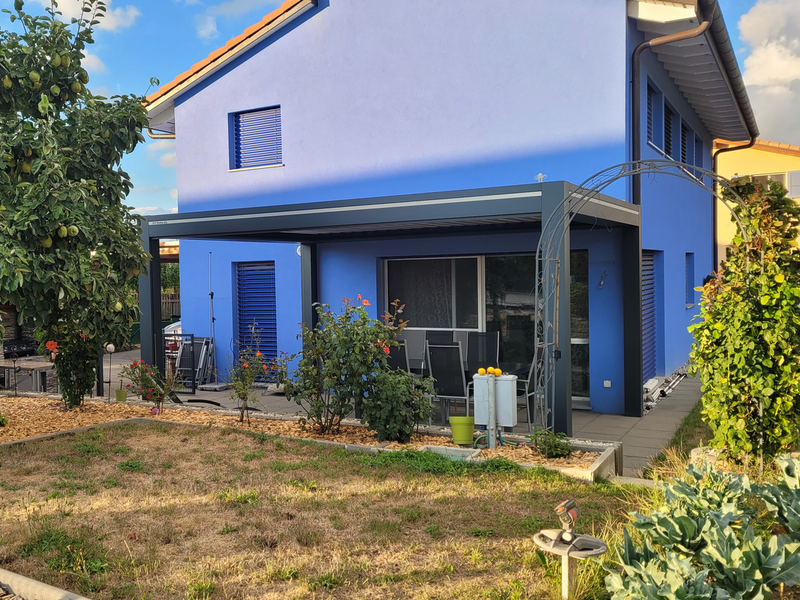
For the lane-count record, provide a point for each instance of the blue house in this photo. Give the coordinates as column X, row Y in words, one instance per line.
column 415, row 150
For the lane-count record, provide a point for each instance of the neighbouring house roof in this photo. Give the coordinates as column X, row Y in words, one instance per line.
column 765, row 145
column 161, row 108
column 704, row 68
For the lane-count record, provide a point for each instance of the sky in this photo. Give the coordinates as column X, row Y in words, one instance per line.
column 142, row 39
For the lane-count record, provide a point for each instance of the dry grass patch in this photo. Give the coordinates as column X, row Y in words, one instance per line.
column 169, row 511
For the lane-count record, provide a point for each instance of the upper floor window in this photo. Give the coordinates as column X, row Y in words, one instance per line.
column 256, row 138
column 669, row 123
column 687, row 145
column 655, row 124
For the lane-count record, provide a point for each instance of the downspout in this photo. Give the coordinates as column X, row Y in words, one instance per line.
column 636, row 93
column 159, row 136
column 749, row 144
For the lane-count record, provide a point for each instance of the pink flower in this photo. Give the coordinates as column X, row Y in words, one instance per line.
column 154, row 411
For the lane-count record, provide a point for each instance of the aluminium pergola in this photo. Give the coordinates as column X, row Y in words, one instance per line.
column 466, row 212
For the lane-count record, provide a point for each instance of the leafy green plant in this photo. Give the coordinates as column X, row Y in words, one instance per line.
column 747, row 339
column 200, row 590
column 244, row 372
column 232, row 496
column 550, row 444
column 147, row 382
column 397, row 403
column 133, row 464
column 339, row 365
column 71, row 247
column 782, row 499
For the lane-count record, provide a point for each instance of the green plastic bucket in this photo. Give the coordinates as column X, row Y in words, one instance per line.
column 463, row 428
column 121, row 395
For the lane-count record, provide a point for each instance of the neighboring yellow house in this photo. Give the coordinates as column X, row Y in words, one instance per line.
column 765, row 161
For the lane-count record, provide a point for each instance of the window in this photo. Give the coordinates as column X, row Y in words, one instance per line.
column 684, row 144
column 439, row 293
column 698, row 152
column 794, row 184
column 655, row 116
column 766, row 179
column 256, row 308
column 690, row 280
column 256, row 139
column 668, row 120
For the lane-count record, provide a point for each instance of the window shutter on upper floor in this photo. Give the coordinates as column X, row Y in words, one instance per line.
column 257, row 138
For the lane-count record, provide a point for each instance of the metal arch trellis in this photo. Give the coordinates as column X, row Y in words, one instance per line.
column 548, row 264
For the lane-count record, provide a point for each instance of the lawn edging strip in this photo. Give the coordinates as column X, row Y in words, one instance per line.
column 30, row 589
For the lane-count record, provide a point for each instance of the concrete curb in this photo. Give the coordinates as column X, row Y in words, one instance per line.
column 30, row 589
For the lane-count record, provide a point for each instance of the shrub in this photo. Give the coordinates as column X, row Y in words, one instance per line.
column 396, row 404
column 747, row 338
column 340, row 362
column 243, row 373
column 149, row 384
column 550, row 444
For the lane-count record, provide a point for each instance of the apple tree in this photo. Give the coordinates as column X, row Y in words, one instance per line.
column 70, row 250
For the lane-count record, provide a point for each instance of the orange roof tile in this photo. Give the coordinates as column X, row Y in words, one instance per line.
column 778, row 147
column 230, row 47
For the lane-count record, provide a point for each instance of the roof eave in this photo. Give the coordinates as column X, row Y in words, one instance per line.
column 161, row 104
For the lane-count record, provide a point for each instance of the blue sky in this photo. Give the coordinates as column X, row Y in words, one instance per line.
column 141, row 39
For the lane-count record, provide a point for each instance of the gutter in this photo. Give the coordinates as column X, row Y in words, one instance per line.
column 715, row 249
column 159, row 136
column 636, row 93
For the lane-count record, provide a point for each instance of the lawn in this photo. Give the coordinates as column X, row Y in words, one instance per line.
column 156, row 511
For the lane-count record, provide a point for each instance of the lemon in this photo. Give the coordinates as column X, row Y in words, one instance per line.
column 481, row 371
column 498, row 372
column 490, row 370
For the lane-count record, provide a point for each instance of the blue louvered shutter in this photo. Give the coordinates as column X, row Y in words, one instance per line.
column 648, row 314
column 255, row 302
column 257, row 138
column 650, row 125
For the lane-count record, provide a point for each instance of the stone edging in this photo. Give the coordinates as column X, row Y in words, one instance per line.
column 30, row 589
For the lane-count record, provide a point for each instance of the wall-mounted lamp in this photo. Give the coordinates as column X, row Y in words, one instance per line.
column 602, row 281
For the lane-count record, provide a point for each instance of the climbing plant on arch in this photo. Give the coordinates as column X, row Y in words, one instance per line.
column 551, row 243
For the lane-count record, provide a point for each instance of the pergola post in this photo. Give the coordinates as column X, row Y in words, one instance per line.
column 553, row 196
column 150, row 305
column 632, row 320
column 309, row 286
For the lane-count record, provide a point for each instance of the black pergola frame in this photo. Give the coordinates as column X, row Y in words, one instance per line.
column 464, row 212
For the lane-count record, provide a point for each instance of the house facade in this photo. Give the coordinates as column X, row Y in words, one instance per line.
column 416, row 150
column 764, row 162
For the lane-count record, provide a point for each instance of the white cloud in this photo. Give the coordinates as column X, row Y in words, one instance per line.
column 114, row 18
column 93, row 64
column 173, row 194
column 174, row 209
column 206, row 27
column 102, row 90
column 206, row 24
column 169, row 159
column 146, row 210
column 772, row 70
column 160, row 145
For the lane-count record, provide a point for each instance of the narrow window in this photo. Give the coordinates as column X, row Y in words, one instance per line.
column 668, row 114
column 684, row 143
column 256, row 140
column 698, row 152
column 651, row 94
column 690, row 280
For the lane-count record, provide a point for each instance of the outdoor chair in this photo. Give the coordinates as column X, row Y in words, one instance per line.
column 446, row 364
column 526, row 394
column 398, row 357
column 483, row 350
column 439, row 338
